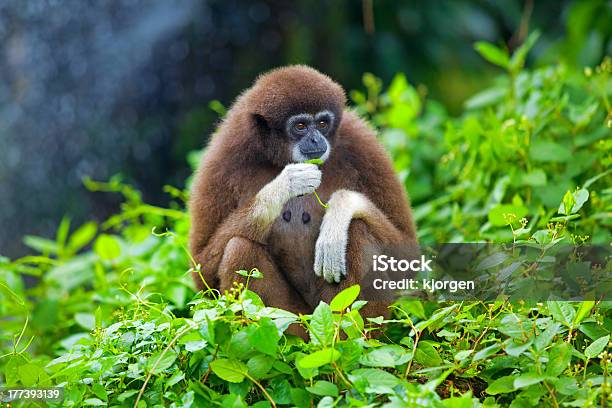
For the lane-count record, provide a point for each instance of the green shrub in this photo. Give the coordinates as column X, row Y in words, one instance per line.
column 114, row 320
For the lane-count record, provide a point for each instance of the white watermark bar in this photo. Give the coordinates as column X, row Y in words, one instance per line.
column 487, row 272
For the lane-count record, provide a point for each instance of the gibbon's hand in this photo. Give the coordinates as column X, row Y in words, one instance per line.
column 294, row 180
column 300, row 178
column 330, row 249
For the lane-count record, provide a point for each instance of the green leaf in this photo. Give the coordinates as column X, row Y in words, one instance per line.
column 259, row 365
column 515, row 326
column 545, row 338
column 378, row 381
column 545, row 151
column 42, row 245
column 229, row 370
column 29, row 374
column 518, row 58
column 100, row 391
column 463, row 354
column 323, row 388
column 596, row 347
column 580, row 197
column 85, row 320
column 107, row 247
column 319, row 358
column 502, row 385
column 525, row 380
column 559, row 356
column 486, row 352
column 94, row 402
column 535, row 178
column 491, row 261
column 62, row 232
column 315, row 161
column 505, row 214
column 160, row 361
column 486, row 98
column 321, row 325
column 304, row 372
column 344, row 299
column 82, row 236
column 583, row 311
column 126, row 394
column 265, row 337
column 566, row 204
column 493, row 54
column 385, row 356
column 195, row 345
column 563, row 312
column 427, row 355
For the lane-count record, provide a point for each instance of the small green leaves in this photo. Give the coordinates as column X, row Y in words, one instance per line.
column 229, row 370
column 386, row 356
column 253, row 273
column 525, row 164
column 107, row 247
column 427, row 355
column 595, row 348
column 505, row 214
column 493, row 54
column 265, row 337
column 160, row 361
column 559, row 357
column 315, row 161
column 322, row 325
column 573, row 202
column 502, row 385
column 563, row 312
column 323, row 388
column 319, row 358
column 344, row 299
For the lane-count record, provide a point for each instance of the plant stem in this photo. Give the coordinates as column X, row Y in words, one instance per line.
column 319, row 200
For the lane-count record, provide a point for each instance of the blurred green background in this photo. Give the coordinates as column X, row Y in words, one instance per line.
column 123, row 86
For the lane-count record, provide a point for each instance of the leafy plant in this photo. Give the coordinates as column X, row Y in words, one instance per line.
column 109, row 312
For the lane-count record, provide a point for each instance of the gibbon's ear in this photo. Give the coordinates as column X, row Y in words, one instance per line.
column 261, row 124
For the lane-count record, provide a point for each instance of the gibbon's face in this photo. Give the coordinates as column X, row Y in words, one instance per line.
column 309, row 135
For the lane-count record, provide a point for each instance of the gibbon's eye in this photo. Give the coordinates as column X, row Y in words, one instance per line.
column 300, row 126
column 322, row 124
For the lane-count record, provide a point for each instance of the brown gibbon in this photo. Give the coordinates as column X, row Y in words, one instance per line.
column 252, row 202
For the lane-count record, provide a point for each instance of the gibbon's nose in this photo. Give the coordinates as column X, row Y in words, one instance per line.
column 313, row 145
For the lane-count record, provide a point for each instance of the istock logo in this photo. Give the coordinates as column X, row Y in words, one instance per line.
column 383, row 263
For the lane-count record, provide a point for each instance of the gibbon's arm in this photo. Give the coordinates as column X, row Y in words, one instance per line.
column 379, row 200
column 345, row 206
column 252, row 221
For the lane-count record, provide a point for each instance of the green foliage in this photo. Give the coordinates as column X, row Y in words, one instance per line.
column 114, row 320
column 501, row 170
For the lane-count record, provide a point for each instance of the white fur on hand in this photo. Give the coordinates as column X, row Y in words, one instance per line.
column 295, row 179
column 330, row 249
column 302, row 178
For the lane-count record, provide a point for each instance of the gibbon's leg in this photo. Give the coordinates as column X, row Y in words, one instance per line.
column 273, row 289
column 252, row 221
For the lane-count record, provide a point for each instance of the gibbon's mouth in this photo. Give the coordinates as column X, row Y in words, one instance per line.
column 313, row 154
column 299, row 156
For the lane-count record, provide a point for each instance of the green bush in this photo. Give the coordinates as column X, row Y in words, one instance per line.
column 120, row 325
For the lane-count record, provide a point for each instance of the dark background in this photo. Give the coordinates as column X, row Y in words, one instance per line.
column 97, row 88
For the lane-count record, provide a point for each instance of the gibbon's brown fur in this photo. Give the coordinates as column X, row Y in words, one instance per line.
column 249, row 150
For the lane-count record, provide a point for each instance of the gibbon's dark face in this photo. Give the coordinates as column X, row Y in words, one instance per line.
column 309, row 135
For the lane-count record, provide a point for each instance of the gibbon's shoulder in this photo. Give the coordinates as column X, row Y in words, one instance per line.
column 357, row 138
column 358, row 148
